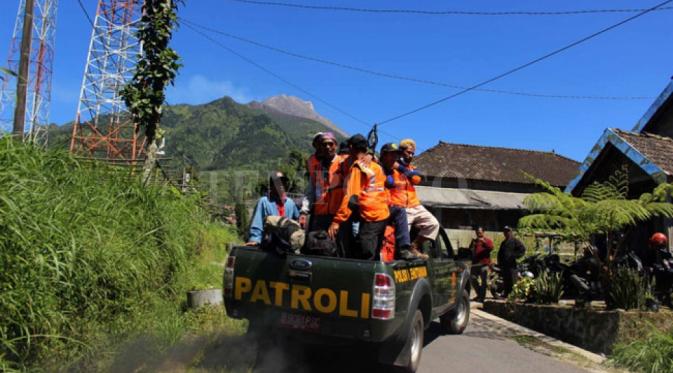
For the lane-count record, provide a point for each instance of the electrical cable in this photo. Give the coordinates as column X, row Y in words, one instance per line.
column 86, row 14
column 527, row 64
column 280, row 78
column 403, row 77
column 443, row 12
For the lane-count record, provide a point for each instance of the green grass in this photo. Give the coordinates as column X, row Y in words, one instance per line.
column 91, row 259
column 653, row 354
column 533, row 342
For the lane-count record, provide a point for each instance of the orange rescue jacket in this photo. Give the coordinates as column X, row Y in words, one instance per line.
column 327, row 186
column 403, row 193
column 367, row 181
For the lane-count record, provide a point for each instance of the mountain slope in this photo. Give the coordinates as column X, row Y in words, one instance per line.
column 224, row 134
column 295, row 107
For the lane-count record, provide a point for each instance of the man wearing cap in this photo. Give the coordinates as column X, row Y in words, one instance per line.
column 275, row 204
column 390, row 153
column 401, row 182
column 365, row 182
column 325, row 187
column 511, row 249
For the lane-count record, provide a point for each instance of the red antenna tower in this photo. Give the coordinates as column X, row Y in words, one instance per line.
column 41, row 59
column 103, row 126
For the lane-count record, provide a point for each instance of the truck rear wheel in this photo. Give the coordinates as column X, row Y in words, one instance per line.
column 413, row 347
column 455, row 321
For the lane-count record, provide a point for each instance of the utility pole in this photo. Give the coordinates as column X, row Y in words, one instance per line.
column 29, row 70
column 24, row 64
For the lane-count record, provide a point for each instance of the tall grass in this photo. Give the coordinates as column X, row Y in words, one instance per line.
column 81, row 246
column 653, row 354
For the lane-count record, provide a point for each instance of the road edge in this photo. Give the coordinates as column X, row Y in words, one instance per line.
column 593, row 357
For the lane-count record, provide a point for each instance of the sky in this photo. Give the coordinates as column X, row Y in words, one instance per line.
column 635, row 59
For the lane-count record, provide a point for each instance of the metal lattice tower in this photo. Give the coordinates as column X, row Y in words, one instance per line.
column 103, row 127
column 38, row 95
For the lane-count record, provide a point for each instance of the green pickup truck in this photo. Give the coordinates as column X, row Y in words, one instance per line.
column 331, row 300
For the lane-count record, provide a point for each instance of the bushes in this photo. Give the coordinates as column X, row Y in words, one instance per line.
column 81, row 245
column 548, row 288
column 651, row 355
column 627, row 289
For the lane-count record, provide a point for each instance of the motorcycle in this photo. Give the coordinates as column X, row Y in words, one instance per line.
column 496, row 283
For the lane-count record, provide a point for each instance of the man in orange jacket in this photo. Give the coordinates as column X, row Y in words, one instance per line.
column 365, row 182
column 325, row 186
column 401, row 179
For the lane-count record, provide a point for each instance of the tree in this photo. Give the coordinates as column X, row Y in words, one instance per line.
column 156, row 68
column 602, row 208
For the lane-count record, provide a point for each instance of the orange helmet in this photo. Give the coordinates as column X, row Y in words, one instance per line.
column 658, row 239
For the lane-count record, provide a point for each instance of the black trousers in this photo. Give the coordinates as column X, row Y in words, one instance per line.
column 371, row 237
column 480, row 280
column 509, row 278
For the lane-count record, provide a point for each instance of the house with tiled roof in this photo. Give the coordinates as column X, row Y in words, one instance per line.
column 647, row 153
column 468, row 185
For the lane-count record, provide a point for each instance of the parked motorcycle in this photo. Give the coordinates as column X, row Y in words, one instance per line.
column 496, row 283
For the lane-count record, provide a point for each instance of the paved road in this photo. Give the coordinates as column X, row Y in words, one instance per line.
column 486, row 346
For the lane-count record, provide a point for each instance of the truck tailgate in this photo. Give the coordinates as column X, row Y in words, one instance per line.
column 315, row 294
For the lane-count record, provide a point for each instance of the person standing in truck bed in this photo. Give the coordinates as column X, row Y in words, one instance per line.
column 325, row 185
column 365, row 182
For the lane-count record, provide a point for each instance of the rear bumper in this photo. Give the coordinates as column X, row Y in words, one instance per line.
column 331, row 330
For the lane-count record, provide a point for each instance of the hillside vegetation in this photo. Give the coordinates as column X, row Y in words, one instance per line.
column 225, row 135
column 89, row 256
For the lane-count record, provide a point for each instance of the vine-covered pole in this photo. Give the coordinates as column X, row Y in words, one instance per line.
column 156, row 68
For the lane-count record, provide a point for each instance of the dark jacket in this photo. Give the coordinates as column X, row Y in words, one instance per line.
column 510, row 251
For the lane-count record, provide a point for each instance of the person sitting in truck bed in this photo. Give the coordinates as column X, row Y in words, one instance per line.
column 390, row 153
column 365, row 180
column 403, row 194
column 275, row 204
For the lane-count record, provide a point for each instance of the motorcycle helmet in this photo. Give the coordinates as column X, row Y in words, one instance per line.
column 658, row 239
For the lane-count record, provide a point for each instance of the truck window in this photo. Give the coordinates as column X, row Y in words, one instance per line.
column 443, row 245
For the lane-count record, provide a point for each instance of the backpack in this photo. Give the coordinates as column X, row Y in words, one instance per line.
column 318, row 243
column 282, row 235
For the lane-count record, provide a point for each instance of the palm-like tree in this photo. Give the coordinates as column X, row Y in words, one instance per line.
column 602, row 208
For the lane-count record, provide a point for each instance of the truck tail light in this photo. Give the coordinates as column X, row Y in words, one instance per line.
column 383, row 304
column 229, row 276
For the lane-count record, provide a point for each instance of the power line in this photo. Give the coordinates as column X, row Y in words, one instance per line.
column 443, row 12
column 86, row 14
column 404, row 77
column 280, row 78
column 525, row 65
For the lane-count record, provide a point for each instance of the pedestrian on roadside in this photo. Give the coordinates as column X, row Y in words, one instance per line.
column 481, row 248
column 511, row 249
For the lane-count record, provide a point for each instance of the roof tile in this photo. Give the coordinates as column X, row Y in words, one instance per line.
column 496, row 164
column 658, row 149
